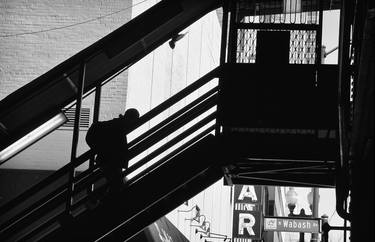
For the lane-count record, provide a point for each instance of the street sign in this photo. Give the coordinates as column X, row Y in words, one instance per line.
column 286, row 224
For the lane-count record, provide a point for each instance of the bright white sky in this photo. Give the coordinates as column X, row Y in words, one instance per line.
column 330, row 36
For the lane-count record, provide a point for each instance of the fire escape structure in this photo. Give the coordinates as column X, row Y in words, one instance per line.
column 280, row 118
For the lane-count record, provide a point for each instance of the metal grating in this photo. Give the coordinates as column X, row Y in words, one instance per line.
column 246, row 45
column 84, row 119
column 278, row 11
column 302, row 46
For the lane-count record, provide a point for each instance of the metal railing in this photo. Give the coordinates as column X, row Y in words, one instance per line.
column 39, row 209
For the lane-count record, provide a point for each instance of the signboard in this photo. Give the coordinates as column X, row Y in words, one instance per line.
column 285, row 224
column 247, row 212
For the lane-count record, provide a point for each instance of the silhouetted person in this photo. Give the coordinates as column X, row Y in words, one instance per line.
column 108, row 140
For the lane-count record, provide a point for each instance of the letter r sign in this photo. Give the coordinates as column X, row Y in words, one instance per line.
column 246, row 221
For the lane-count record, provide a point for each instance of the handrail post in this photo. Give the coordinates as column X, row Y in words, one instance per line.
column 318, row 47
column 223, row 53
column 81, row 85
column 232, row 45
column 98, row 93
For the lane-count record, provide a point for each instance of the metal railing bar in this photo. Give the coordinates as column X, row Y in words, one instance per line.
column 78, row 161
column 81, row 187
column 52, row 201
column 282, row 164
column 34, row 215
column 269, row 26
column 170, row 143
column 163, row 123
column 42, row 184
column 173, row 126
column 174, row 116
column 30, row 209
column 34, row 231
column 304, row 169
column 55, row 219
column 306, row 184
column 172, row 154
column 84, row 157
column 88, row 180
column 177, row 97
column 284, row 161
column 86, row 175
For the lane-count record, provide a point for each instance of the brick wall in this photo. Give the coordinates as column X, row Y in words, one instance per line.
column 28, row 51
column 24, row 57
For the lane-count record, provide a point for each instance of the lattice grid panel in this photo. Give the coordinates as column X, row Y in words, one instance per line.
column 302, row 46
column 246, row 45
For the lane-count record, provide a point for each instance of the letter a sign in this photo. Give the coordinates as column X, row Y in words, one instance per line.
column 249, row 192
column 247, row 212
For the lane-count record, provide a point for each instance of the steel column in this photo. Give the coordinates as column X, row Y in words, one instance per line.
column 343, row 106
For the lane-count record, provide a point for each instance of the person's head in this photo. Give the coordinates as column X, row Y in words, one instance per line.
column 131, row 114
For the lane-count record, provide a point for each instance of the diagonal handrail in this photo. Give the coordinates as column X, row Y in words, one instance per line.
column 46, row 223
column 85, row 156
column 139, row 144
column 38, row 212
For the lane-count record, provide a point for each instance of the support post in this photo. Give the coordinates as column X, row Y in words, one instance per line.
column 318, row 59
column 315, row 211
column 98, row 92
column 343, row 108
column 232, row 46
column 223, row 52
column 81, row 84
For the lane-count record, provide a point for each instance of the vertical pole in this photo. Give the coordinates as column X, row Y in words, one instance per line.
column 81, row 84
column 232, row 47
column 301, row 237
column 223, row 51
column 98, row 92
column 318, row 59
column 224, row 32
column 315, row 211
column 344, row 80
column 343, row 107
column 345, row 221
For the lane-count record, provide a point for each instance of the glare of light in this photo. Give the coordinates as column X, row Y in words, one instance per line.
column 32, row 137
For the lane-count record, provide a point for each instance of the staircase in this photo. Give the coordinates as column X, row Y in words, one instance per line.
column 173, row 175
column 54, row 208
column 94, row 66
